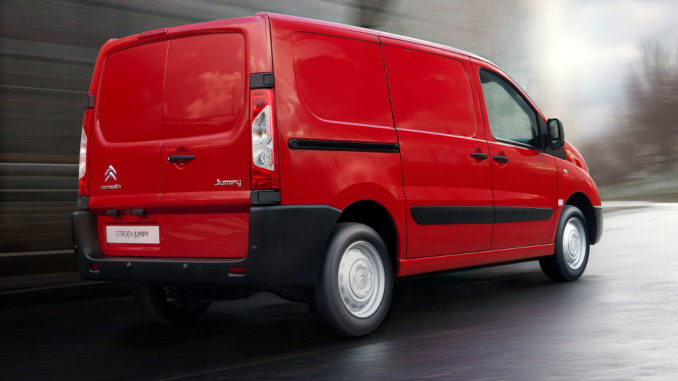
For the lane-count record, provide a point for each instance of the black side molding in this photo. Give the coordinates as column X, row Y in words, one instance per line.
column 449, row 215
column 521, row 214
column 444, row 215
column 343, row 145
column 262, row 81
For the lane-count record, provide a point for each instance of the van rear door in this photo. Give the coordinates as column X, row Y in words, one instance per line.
column 205, row 152
column 125, row 147
column 169, row 155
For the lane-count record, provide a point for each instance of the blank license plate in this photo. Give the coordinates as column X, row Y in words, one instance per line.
column 133, row 234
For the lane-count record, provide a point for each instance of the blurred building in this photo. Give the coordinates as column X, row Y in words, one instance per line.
column 48, row 50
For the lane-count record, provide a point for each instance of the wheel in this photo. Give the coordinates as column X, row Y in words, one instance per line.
column 353, row 293
column 170, row 304
column 572, row 247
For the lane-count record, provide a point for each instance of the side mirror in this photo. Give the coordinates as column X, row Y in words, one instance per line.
column 556, row 137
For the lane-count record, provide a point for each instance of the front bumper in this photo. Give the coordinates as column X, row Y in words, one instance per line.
column 599, row 225
column 286, row 249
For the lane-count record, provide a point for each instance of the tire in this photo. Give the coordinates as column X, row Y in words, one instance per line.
column 572, row 247
column 354, row 289
column 170, row 304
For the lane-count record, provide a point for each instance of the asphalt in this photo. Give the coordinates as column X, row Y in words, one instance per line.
column 619, row 321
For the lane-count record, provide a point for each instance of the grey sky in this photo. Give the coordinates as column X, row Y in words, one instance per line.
column 572, row 57
column 589, row 49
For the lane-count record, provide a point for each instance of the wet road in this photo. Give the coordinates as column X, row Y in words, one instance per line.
column 619, row 321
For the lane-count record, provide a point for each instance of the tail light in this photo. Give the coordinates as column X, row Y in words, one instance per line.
column 264, row 152
column 83, row 175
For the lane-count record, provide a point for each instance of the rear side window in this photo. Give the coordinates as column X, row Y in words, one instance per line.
column 204, row 85
column 341, row 79
column 429, row 92
column 130, row 104
column 509, row 115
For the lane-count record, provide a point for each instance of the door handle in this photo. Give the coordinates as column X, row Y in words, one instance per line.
column 500, row 159
column 479, row 155
column 176, row 158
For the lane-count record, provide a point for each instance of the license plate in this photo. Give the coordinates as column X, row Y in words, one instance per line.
column 133, row 234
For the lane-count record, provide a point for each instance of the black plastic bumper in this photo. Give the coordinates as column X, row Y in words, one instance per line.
column 599, row 224
column 286, row 249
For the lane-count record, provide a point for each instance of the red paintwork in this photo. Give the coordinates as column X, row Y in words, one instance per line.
column 332, row 82
column 193, row 103
column 204, row 115
column 437, row 130
column 327, row 106
column 528, row 179
column 577, row 178
column 427, row 265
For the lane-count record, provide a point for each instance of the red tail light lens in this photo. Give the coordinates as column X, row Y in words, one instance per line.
column 83, row 175
column 264, row 153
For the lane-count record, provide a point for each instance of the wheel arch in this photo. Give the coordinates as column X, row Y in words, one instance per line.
column 581, row 201
column 376, row 216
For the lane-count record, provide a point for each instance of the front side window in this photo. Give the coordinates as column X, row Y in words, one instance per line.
column 510, row 117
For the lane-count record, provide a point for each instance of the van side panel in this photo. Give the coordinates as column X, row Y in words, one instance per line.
column 445, row 187
column 331, row 88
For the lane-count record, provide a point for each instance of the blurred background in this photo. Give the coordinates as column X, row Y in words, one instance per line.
column 608, row 69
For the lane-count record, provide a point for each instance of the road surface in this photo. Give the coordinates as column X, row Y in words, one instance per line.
column 619, row 321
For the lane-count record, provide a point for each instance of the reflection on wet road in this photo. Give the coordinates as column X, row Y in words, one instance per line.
column 510, row 322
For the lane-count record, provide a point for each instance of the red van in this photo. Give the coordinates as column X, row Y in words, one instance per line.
column 317, row 161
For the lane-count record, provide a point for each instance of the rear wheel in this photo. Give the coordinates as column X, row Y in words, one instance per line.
column 353, row 294
column 171, row 304
column 572, row 247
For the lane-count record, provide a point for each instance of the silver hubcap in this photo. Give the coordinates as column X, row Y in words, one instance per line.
column 574, row 243
column 361, row 279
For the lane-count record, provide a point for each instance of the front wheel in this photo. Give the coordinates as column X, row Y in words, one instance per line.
column 572, row 247
column 353, row 294
column 170, row 304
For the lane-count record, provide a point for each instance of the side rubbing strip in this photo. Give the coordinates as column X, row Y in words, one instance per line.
column 519, row 214
column 449, row 215
column 442, row 215
column 343, row 145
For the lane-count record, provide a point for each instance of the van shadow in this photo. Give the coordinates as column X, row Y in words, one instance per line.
column 265, row 327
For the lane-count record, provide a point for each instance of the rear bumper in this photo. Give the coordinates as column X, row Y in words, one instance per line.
column 286, row 249
column 599, row 224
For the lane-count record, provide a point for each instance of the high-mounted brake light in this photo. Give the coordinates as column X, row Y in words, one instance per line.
column 83, row 175
column 264, row 154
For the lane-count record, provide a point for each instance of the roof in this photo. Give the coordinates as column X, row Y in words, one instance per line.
column 374, row 33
